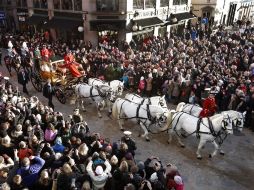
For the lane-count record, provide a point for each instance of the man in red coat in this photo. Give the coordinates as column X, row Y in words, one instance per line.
column 209, row 106
column 72, row 65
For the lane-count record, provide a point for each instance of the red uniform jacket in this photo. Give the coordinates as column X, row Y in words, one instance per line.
column 45, row 53
column 73, row 68
column 209, row 107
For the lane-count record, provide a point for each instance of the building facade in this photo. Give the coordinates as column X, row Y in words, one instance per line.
column 224, row 12
column 97, row 21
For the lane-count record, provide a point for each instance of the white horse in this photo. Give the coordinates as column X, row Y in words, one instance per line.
column 155, row 100
column 99, row 94
column 144, row 114
column 236, row 117
column 210, row 129
column 116, row 85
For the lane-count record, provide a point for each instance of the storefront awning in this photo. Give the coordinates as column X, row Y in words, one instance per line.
column 148, row 22
column 102, row 25
column 36, row 19
column 184, row 16
column 63, row 23
column 174, row 19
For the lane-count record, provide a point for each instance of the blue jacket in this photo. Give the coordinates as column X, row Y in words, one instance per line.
column 58, row 148
column 30, row 175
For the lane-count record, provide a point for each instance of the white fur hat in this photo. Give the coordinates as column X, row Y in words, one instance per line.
column 99, row 170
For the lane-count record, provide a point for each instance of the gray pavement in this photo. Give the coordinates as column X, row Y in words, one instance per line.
column 233, row 171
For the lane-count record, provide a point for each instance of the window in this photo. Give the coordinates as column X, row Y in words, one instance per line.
column 164, row 3
column 107, row 5
column 67, row 5
column 138, row 4
column 21, row 3
column 150, row 3
column 42, row 4
column 77, row 5
column 180, row 2
column 57, row 4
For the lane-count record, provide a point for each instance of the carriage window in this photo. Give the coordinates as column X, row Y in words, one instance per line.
column 180, row 2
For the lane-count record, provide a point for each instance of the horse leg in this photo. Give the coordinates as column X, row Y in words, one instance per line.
column 99, row 110
column 170, row 132
column 216, row 148
column 145, row 135
column 200, row 145
column 120, row 121
column 179, row 139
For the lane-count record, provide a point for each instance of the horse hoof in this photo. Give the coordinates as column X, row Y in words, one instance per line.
column 199, row 157
column 147, row 140
column 210, row 156
column 139, row 135
column 169, row 141
column 122, row 129
column 182, row 146
column 222, row 153
column 100, row 116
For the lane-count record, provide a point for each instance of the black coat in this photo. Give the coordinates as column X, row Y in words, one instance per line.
column 23, row 77
column 48, row 91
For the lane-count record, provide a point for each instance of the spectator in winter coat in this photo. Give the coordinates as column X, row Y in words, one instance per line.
column 99, row 176
column 58, row 147
column 29, row 170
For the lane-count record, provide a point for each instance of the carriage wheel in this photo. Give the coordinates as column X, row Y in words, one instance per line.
column 36, row 82
column 60, row 96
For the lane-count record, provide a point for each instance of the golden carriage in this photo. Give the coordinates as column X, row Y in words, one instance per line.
column 60, row 78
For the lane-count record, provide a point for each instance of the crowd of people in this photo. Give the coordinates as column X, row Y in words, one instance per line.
column 42, row 149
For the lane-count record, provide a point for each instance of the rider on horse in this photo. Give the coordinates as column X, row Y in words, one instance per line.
column 209, row 105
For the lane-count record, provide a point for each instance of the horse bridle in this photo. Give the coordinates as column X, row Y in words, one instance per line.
column 226, row 122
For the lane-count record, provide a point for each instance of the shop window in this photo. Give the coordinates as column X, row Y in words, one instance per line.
column 107, row 5
column 42, row 4
column 138, row 4
column 77, row 5
column 150, row 4
column 164, row 3
column 180, row 2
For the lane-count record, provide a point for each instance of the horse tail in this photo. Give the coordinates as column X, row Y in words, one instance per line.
column 180, row 106
column 115, row 110
column 169, row 120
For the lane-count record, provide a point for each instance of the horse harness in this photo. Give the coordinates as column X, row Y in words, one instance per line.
column 212, row 132
column 149, row 117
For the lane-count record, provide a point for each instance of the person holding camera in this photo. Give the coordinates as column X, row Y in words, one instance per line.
column 99, row 176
